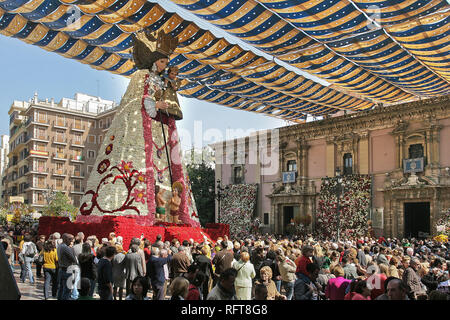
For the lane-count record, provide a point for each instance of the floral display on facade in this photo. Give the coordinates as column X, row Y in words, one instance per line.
column 237, row 207
column 354, row 206
column 443, row 224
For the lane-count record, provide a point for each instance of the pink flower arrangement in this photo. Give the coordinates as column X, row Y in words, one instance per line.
column 139, row 195
column 126, row 166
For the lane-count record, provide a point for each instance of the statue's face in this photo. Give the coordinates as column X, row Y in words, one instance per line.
column 161, row 64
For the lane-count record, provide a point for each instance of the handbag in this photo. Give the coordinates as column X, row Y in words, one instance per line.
column 40, row 259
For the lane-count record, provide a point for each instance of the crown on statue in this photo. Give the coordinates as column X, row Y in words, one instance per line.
column 151, row 46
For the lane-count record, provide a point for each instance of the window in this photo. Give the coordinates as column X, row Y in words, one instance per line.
column 41, row 146
column 292, row 165
column 77, row 124
column 60, row 121
column 59, row 167
column 77, row 170
column 40, row 165
column 89, row 168
column 60, row 152
column 76, row 185
column 415, row 151
column 91, row 138
column 77, row 155
column 238, row 175
column 60, row 135
column 40, row 198
column 348, row 163
column 77, row 139
column 42, row 117
column 100, row 124
column 91, row 154
column 59, row 183
column 266, row 218
column 92, row 124
column 100, row 139
column 40, row 182
column 76, row 201
column 40, row 133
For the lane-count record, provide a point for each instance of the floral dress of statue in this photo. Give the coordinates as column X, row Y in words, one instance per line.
column 133, row 158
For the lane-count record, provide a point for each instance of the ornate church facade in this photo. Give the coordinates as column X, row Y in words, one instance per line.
column 403, row 150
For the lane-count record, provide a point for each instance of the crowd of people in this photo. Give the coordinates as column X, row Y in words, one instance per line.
column 75, row 267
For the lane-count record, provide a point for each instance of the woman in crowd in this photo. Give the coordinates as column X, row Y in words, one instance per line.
column 118, row 270
column 179, row 288
column 139, row 289
column 266, row 279
column 88, row 266
column 245, row 274
column 50, row 269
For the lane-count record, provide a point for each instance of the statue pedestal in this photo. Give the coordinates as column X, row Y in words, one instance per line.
column 128, row 227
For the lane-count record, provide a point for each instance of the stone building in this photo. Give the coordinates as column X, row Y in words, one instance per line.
column 404, row 149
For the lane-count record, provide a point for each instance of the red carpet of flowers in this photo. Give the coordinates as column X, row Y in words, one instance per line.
column 128, row 228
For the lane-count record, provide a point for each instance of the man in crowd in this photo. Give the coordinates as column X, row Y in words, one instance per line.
column 104, row 274
column 66, row 259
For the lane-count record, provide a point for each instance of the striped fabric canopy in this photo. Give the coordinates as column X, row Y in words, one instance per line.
column 375, row 51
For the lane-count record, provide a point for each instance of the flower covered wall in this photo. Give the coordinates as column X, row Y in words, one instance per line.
column 354, row 206
column 237, row 207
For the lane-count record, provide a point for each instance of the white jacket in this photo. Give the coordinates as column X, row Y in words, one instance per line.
column 246, row 272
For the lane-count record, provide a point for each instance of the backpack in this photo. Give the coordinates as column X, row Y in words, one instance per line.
column 30, row 250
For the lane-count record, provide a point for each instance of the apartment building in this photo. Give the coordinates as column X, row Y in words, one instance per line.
column 53, row 146
column 4, row 150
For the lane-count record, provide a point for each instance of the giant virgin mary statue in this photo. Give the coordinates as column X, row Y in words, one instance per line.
column 141, row 150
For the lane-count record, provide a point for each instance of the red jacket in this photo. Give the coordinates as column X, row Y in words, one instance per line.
column 301, row 263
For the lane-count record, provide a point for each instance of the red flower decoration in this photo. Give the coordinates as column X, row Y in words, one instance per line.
column 139, row 195
column 141, row 178
column 126, row 166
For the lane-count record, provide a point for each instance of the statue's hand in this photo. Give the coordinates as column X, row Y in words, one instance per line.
column 161, row 105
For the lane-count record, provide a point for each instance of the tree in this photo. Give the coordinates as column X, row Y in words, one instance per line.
column 202, row 181
column 60, row 206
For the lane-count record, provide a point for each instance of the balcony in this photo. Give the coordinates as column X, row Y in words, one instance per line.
column 41, row 122
column 79, row 190
column 38, row 186
column 38, row 170
column 59, row 156
column 17, row 119
column 78, row 128
column 38, row 154
column 40, row 138
column 79, row 144
column 61, row 188
column 77, row 175
column 77, row 159
column 59, row 124
column 59, row 172
column 59, row 140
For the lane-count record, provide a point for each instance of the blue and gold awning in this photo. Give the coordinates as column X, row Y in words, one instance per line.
column 404, row 58
column 378, row 49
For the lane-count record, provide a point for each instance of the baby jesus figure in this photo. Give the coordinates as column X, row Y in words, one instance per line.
column 160, row 204
column 175, row 202
column 169, row 96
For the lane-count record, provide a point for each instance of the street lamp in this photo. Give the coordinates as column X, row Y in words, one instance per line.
column 337, row 189
column 218, row 195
